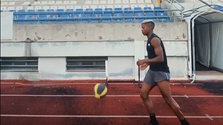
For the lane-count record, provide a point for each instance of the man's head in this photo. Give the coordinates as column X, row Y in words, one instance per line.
column 147, row 27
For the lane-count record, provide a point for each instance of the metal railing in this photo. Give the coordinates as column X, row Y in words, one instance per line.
column 173, row 11
column 180, row 12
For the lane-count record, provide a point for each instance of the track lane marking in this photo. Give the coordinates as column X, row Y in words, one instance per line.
column 127, row 96
column 106, row 116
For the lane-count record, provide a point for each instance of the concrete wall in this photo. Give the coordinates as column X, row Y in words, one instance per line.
column 91, row 40
column 95, row 32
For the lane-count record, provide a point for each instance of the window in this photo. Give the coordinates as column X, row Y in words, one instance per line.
column 86, row 63
column 20, row 64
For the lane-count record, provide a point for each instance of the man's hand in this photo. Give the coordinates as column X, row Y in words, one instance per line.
column 141, row 62
column 144, row 66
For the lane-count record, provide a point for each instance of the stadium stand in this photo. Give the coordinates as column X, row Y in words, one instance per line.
column 81, row 11
column 218, row 7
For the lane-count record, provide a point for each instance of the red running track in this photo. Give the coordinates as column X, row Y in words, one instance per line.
column 72, row 104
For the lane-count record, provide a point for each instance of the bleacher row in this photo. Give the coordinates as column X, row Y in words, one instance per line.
column 61, row 2
column 97, row 15
column 71, row 4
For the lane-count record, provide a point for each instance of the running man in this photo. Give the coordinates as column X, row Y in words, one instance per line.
column 157, row 75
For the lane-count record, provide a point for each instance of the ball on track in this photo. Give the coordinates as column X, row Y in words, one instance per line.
column 100, row 91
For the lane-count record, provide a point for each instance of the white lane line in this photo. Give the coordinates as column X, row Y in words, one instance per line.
column 129, row 96
column 104, row 116
column 208, row 116
column 186, row 96
column 59, row 84
column 90, row 83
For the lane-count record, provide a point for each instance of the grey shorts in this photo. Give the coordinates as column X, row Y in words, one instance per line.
column 153, row 77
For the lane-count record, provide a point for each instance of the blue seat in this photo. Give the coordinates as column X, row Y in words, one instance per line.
column 98, row 10
column 117, row 16
column 93, row 21
column 43, row 17
column 74, row 17
column 128, row 16
column 88, row 11
column 79, row 11
column 60, row 10
column 31, row 10
column 161, row 15
column 155, row 20
column 1, row 10
column 96, row 16
column 167, row 21
column 150, row 15
column 127, row 10
column 21, row 17
column 106, row 21
column 69, row 10
column 158, row 9
column 108, row 10
column 14, row 17
column 50, row 10
column 138, row 10
column 21, row 10
column 12, row 10
column 53, row 17
column 31, row 17
column 63, row 17
column 118, row 10
column 40, row 10
column 106, row 16
column 147, row 9
column 139, row 15
column 21, row 22
column 85, row 16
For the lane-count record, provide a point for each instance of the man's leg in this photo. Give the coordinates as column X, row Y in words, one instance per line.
column 162, row 80
column 147, row 86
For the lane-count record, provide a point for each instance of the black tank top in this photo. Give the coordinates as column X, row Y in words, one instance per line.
column 158, row 66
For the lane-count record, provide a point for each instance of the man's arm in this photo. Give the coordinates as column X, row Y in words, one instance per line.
column 156, row 43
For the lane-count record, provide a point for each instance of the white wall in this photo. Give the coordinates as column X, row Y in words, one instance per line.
column 121, row 67
column 122, row 57
column 123, row 44
column 6, row 25
column 96, row 32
